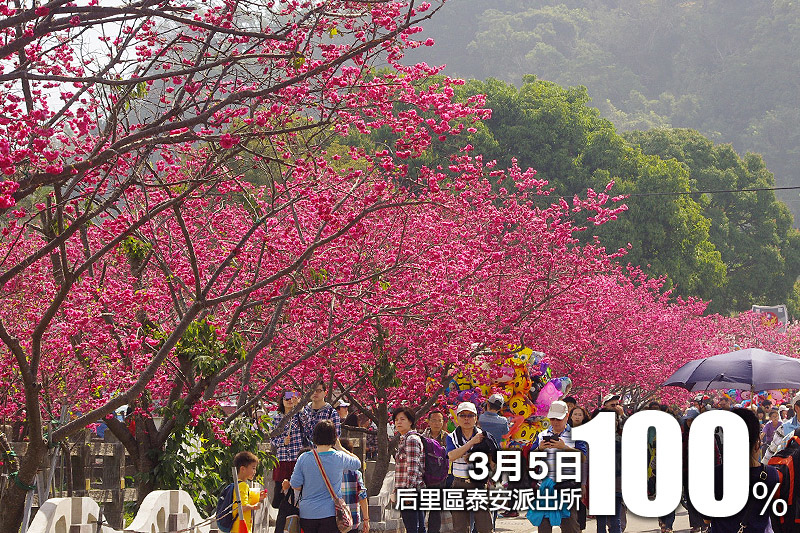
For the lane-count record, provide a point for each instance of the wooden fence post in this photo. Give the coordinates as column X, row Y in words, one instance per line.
column 113, row 478
column 79, row 463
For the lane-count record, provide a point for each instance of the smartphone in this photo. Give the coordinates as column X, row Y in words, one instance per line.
column 550, row 438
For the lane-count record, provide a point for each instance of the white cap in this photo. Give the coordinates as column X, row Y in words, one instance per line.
column 609, row 397
column 558, row 410
column 496, row 400
column 340, row 403
column 783, row 408
column 466, row 406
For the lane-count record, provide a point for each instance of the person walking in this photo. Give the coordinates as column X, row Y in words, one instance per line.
column 491, row 421
column 435, row 430
column 354, row 494
column 578, row 416
column 286, row 444
column 555, row 439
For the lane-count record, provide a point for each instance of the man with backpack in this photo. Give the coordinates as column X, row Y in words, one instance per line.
column 460, row 443
column 784, row 454
column 435, row 431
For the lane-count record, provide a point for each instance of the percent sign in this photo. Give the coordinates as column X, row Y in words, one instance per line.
column 761, row 492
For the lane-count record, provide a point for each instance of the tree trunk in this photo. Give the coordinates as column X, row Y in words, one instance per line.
column 12, row 505
column 382, row 463
column 145, row 484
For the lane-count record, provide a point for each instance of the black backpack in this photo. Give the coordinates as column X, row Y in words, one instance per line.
column 488, row 446
column 224, row 512
column 787, row 462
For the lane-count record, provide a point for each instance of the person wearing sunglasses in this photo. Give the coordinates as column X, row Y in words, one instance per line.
column 287, row 444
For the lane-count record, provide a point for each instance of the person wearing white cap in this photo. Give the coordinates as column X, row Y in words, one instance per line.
column 491, row 421
column 556, row 438
column 343, row 408
column 612, row 401
column 459, row 443
column 783, row 433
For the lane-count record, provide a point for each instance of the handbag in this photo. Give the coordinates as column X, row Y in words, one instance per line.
column 344, row 519
column 288, row 519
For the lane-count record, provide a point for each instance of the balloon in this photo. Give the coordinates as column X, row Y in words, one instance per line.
column 508, row 390
column 524, row 432
column 462, row 382
column 521, row 384
column 564, row 384
column 519, row 405
column 522, row 357
column 506, row 373
column 547, row 395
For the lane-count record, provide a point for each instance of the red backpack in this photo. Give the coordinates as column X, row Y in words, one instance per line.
column 787, row 463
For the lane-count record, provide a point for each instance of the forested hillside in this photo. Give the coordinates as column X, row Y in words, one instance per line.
column 735, row 250
column 728, row 68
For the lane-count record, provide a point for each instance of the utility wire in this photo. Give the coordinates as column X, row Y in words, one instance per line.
column 681, row 193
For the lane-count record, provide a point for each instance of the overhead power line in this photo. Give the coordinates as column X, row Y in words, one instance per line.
column 682, row 193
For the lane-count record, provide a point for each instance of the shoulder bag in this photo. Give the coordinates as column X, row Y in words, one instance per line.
column 344, row 520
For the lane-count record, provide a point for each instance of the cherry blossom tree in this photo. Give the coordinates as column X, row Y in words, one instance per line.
column 121, row 132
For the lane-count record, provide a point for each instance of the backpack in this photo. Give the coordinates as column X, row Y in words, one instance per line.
column 488, row 446
column 787, row 462
column 437, row 464
column 224, row 512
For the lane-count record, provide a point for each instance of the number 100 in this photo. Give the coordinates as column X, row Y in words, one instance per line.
column 600, row 432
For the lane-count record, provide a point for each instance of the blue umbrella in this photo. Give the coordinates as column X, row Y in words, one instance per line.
column 749, row 369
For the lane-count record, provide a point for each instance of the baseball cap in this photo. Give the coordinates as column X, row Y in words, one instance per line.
column 558, row 410
column 496, row 400
column 466, row 406
column 609, row 397
column 691, row 413
column 783, row 408
column 340, row 403
column 796, row 398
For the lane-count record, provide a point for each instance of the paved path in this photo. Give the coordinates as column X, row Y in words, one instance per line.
column 636, row 524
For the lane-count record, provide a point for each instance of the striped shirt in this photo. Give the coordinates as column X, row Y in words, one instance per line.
column 460, row 467
column 566, row 436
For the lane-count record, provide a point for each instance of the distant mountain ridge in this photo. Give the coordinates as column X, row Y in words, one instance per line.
column 728, row 68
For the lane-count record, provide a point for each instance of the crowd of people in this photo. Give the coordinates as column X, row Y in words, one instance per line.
column 311, row 456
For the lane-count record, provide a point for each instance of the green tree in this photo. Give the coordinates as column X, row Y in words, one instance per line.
column 552, row 129
column 751, row 230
